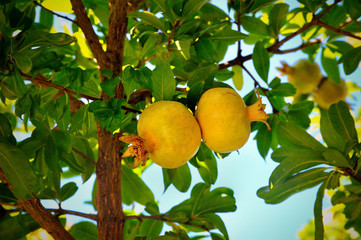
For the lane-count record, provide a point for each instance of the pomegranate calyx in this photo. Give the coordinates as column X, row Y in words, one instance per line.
column 286, row 69
column 135, row 149
column 256, row 112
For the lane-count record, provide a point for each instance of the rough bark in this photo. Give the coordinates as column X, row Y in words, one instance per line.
column 47, row 221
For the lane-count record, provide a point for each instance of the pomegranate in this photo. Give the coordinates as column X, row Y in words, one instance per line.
column 168, row 134
column 225, row 119
column 328, row 93
column 304, row 75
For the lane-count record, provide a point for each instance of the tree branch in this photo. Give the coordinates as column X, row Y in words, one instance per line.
column 337, row 30
column 133, row 5
column 87, row 28
column 34, row 207
column 302, row 46
column 54, row 13
column 41, row 80
column 239, row 60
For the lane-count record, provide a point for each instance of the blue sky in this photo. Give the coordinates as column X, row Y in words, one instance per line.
column 244, row 171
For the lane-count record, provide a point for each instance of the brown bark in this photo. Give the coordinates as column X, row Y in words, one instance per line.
column 41, row 215
column 108, row 169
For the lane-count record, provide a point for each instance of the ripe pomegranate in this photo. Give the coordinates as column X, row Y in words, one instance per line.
column 225, row 119
column 328, row 93
column 304, row 75
column 168, row 134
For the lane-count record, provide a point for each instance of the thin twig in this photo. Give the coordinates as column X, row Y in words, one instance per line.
column 84, row 156
column 54, row 13
column 337, row 30
column 175, row 26
column 45, row 82
column 302, row 46
column 10, row 204
column 274, row 110
column 61, row 212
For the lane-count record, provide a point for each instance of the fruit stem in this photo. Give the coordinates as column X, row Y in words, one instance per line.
column 256, row 112
column 135, row 149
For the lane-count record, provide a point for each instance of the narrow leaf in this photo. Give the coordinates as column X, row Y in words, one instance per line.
column 134, row 189
column 317, row 210
column 237, row 77
column 163, row 81
column 299, row 182
column 191, row 7
column 261, row 60
column 343, row 122
column 336, row 158
column 329, row 133
column 17, row 170
column 351, row 60
column 329, row 64
column 84, row 231
column 291, row 134
column 150, row 19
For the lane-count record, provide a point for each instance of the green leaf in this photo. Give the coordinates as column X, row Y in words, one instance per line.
column 17, row 170
column 191, row 7
column 284, row 90
column 204, row 73
column 46, row 18
column 134, row 189
column 150, row 19
column 259, row 4
column 294, row 184
column 84, row 231
column 254, row 25
column 204, row 49
column 130, row 80
column 343, row 121
column 317, row 210
column 51, row 155
column 180, row 177
column 218, row 200
column 162, row 4
column 82, row 145
column 351, row 60
column 6, row 133
column 18, row 83
column 336, row 158
column 261, row 60
column 329, row 133
column 353, row 8
column 217, row 222
column 194, row 95
column 23, row 61
column 85, row 121
column 293, row 160
column 17, row 227
column 109, row 85
column 150, row 228
column 62, row 139
column 163, row 81
column 299, row 118
column 67, row 191
column 6, row 195
column 237, row 77
column 290, row 134
column 264, row 140
column 206, row 164
column 276, row 17
column 329, row 64
column 228, row 35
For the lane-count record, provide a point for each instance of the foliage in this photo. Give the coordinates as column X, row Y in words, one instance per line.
column 69, row 94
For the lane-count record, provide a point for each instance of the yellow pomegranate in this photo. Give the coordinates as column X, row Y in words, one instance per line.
column 304, row 75
column 168, row 134
column 225, row 119
column 328, row 93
